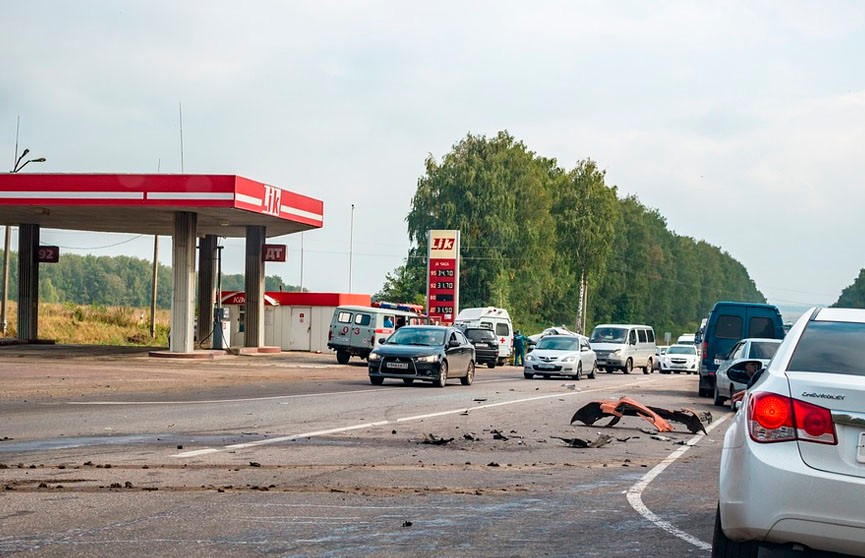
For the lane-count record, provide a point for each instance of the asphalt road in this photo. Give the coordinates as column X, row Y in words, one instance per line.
column 294, row 455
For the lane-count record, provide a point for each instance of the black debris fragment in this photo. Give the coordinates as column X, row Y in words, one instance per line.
column 436, row 440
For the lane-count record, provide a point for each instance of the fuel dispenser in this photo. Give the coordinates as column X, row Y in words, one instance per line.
column 221, row 328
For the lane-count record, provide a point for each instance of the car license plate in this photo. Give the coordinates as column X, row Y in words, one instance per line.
column 400, row 365
column 545, row 367
column 718, row 361
column 860, row 450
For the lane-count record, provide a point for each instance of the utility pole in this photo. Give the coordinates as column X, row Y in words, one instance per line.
column 16, row 167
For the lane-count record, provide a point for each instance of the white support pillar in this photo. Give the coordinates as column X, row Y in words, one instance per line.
column 183, row 268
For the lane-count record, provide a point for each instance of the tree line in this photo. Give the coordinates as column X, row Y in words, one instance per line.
column 534, row 233
column 114, row 281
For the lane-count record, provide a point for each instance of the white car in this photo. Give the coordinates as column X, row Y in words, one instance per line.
column 747, row 349
column 680, row 358
column 793, row 460
column 561, row 355
column 555, row 330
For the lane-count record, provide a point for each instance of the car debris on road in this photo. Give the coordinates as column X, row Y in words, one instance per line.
column 657, row 416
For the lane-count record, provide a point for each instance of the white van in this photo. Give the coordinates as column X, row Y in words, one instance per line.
column 496, row 319
column 624, row 347
column 356, row 330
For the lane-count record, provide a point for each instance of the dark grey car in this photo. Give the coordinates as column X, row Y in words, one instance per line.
column 425, row 353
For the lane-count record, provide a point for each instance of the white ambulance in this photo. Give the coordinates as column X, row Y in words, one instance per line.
column 356, row 330
column 496, row 319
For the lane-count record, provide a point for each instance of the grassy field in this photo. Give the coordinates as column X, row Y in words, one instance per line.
column 95, row 325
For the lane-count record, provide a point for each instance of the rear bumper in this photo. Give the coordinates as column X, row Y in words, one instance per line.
column 768, row 494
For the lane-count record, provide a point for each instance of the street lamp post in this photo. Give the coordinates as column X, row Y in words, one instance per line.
column 8, row 240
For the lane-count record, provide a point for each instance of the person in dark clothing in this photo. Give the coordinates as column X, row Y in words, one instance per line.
column 519, row 348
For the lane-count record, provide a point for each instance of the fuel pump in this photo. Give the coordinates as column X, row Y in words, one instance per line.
column 221, row 321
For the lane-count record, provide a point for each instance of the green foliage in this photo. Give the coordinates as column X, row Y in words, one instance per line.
column 531, row 232
column 853, row 296
column 103, row 281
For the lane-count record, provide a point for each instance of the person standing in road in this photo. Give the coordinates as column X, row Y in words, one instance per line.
column 519, row 348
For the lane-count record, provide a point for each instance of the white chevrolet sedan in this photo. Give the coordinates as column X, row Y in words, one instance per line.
column 793, row 460
column 561, row 355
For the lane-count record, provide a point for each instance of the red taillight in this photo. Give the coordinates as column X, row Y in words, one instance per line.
column 814, row 423
column 330, row 335
column 705, row 351
column 777, row 418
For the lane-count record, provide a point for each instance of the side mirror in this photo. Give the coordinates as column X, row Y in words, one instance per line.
column 737, row 371
column 453, row 343
column 381, row 340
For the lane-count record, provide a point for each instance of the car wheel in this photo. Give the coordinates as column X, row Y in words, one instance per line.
column 470, row 374
column 528, row 376
column 408, row 381
column 722, row 547
column 376, row 381
column 491, row 364
column 629, row 365
column 594, row 370
column 648, row 367
column 579, row 375
column 342, row 357
column 443, row 374
column 719, row 401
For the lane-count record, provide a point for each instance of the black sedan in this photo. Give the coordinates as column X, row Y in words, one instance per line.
column 424, row 353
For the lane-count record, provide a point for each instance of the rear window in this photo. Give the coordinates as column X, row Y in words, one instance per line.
column 344, row 317
column 729, row 327
column 833, row 347
column 762, row 349
column 762, row 327
column 480, row 334
column 362, row 319
column 502, row 329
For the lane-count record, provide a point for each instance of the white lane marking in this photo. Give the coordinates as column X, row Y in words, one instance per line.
column 363, row 425
column 636, row 491
column 245, row 399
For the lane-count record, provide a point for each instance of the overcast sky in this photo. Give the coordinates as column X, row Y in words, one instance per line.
column 743, row 124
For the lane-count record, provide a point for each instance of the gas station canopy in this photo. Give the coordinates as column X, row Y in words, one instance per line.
column 147, row 203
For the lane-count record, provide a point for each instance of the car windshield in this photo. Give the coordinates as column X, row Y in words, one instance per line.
column 559, row 343
column 608, row 335
column 480, row 334
column 834, row 347
column 763, row 349
column 681, row 350
column 417, row 336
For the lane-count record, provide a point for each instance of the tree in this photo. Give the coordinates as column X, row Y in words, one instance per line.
column 853, row 296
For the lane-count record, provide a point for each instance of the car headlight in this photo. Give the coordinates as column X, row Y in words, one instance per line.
column 569, row 359
column 374, row 356
column 530, row 357
column 616, row 353
column 430, row 358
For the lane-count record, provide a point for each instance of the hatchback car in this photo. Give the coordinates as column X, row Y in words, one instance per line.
column 561, row 355
column 486, row 345
column 427, row 353
column 680, row 358
column 793, row 460
column 746, row 349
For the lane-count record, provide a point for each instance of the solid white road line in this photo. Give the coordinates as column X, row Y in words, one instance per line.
column 636, row 491
column 364, row 425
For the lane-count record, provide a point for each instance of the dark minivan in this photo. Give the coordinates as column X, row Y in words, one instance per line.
column 729, row 322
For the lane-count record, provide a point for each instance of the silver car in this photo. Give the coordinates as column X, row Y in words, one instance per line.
column 746, row 349
column 561, row 355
